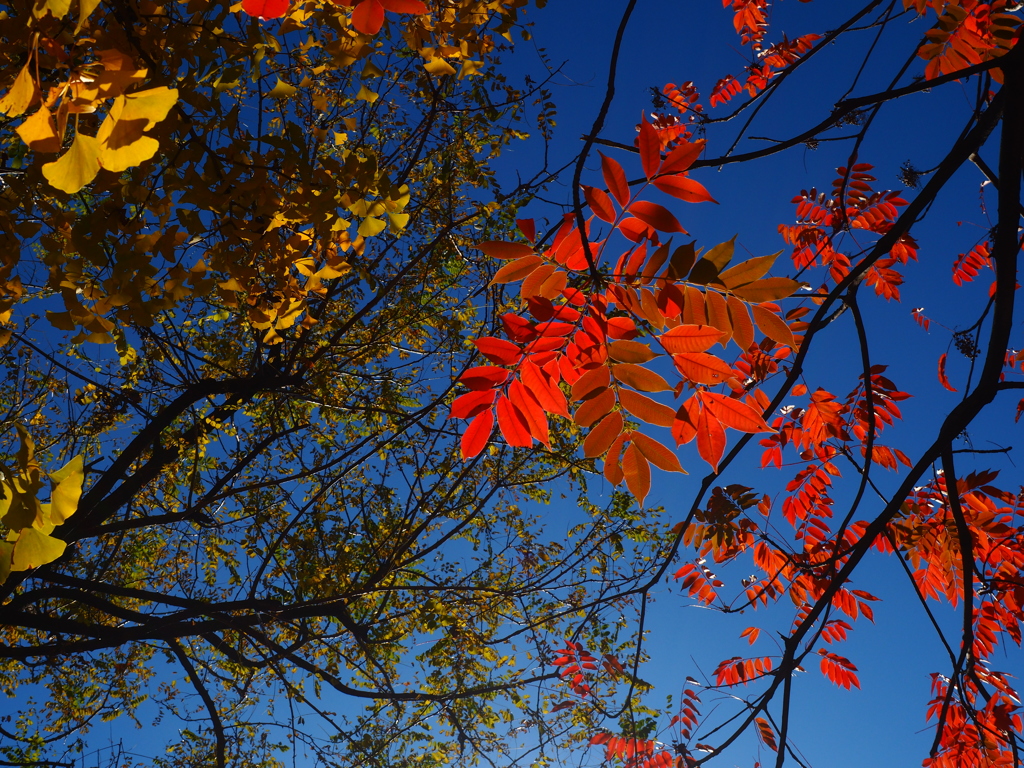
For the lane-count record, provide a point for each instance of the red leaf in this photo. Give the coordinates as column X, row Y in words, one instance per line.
column 513, row 425
column 603, row 435
column 405, row 6
column 650, row 148
column 265, row 9
column 702, row 368
column 484, row 377
column 682, row 157
column 546, row 391
column 531, row 410
column 470, row 404
column 368, row 17
column 615, row 179
column 477, row 433
column 498, row 351
column 942, row 374
column 599, row 203
column 657, row 216
column 656, row 453
column 689, row 338
column 528, row 228
column 687, row 190
column 772, row 326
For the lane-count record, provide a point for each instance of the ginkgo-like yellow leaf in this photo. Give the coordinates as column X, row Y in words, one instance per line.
column 152, row 105
column 365, row 94
column 121, row 137
column 34, row 548
column 371, row 226
column 39, row 131
column 85, row 9
column 76, row 167
column 282, row 90
column 58, row 8
column 67, row 490
column 399, row 220
column 21, row 96
column 438, row 66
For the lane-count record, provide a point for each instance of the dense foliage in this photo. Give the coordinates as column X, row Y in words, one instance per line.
column 277, row 431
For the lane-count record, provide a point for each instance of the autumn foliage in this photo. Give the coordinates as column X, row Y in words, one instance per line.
column 287, row 371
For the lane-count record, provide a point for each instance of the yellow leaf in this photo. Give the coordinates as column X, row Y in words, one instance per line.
column 39, row 131
column 371, row 226
column 85, row 9
column 21, row 96
column 365, row 94
column 282, row 90
column 121, row 139
column 438, row 66
column 76, row 167
column 58, row 8
column 370, row 70
column 34, row 548
column 399, row 220
column 469, row 67
column 6, row 554
column 67, row 490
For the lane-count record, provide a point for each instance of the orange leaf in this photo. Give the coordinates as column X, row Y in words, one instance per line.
column 591, row 383
column 773, row 326
column 623, row 351
column 684, row 428
column 498, row 249
column 613, row 462
column 595, row 408
column 603, row 435
column 646, row 409
column 515, row 270
column 733, row 413
column 942, row 374
column 640, row 378
column 513, row 425
column 498, row 350
column 684, row 188
column 768, row 289
column 710, row 438
column 718, row 315
column 637, row 472
column 656, row 453
column 599, row 203
column 742, row 327
column 748, row 271
column 615, row 179
column 544, row 389
column 477, row 434
column 650, row 148
column 702, row 368
column 689, row 338
column 657, row 216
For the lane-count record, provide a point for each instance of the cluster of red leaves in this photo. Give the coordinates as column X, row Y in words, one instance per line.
column 853, row 204
column 966, row 32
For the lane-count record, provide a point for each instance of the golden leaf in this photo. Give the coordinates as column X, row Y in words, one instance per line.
column 34, row 548
column 39, row 131
column 58, row 8
column 438, row 66
column 21, row 96
column 371, row 226
column 282, row 90
column 76, row 167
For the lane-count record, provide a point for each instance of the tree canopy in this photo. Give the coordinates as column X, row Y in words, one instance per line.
column 307, row 403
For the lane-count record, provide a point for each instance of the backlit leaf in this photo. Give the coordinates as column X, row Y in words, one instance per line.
column 748, row 271
column 733, row 413
column 21, row 96
column 624, row 351
column 711, row 438
column 600, row 203
column 772, row 326
column 637, row 472
column 39, row 131
column 591, row 383
column 689, row 338
column 684, row 188
column 265, row 9
column 640, row 378
column 650, row 151
column 516, row 270
column 768, row 289
column 615, row 179
column 477, row 434
column 498, row 249
column 34, row 548
column 603, row 435
column 656, row 216
column 76, row 167
column 703, row 368
column 656, row 453
column 513, row 425
column 500, row 351
column 595, row 408
column 646, row 409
